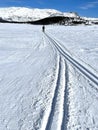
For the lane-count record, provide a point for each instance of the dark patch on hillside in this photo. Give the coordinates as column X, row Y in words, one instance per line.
column 3, row 21
column 95, row 22
column 49, row 20
column 61, row 20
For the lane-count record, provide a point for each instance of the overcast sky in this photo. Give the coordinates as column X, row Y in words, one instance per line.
column 82, row 7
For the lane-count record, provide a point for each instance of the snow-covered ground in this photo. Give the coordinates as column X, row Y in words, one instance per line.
column 39, row 88
column 81, row 41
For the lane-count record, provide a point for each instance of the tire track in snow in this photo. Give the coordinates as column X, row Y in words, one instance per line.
column 84, row 71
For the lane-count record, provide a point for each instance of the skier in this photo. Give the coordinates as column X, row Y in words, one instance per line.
column 43, row 28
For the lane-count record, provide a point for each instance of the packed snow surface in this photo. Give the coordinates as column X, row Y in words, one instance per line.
column 48, row 80
column 81, row 41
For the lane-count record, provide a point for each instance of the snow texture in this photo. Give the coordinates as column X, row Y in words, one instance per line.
column 47, row 79
column 22, row 14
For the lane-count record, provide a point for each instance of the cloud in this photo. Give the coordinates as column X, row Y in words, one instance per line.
column 90, row 5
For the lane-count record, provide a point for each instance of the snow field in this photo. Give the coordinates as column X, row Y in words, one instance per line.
column 82, row 102
column 82, row 93
column 39, row 88
column 26, row 71
column 80, row 41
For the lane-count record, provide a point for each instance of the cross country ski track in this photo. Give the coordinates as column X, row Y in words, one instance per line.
column 58, row 113
column 83, row 70
column 44, row 86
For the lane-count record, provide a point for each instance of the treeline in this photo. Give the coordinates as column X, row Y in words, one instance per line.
column 61, row 20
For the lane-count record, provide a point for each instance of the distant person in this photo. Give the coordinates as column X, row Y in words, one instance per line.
column 43, row 28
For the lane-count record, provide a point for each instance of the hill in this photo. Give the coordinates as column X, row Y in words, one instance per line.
column 42, row 16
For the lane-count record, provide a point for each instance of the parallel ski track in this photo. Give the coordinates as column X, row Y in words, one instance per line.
column 58, row 114
column 50, row 119
column 65, row 102
column 87, row 73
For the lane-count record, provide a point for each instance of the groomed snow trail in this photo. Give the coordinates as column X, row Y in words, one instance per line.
column 27, row 68
column 56, row 119
column 57, row 113
column 86, row 72
column 86, row 81
column 42, row 85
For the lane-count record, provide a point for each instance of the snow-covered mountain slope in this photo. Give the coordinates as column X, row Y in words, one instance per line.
column 21, row 14
column 71, row 14
column 91, row 20
column 26, row 14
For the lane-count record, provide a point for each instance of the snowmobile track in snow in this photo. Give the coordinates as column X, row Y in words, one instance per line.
column 87, row 73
